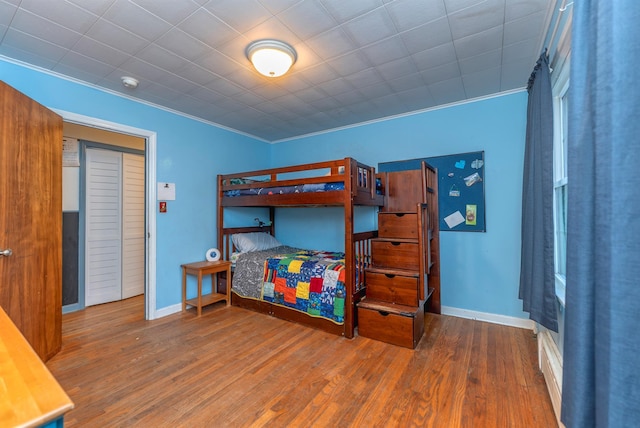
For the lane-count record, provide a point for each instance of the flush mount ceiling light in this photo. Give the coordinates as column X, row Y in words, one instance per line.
column 271, row 58
column 129, row 82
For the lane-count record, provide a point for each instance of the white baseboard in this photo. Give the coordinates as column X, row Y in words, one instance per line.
column 168, row 310
column 551, row 366
column 492, row 318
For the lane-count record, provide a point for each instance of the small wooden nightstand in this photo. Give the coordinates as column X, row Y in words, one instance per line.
column 205, row 268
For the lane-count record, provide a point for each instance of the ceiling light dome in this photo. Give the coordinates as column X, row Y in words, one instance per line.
column 271, row 58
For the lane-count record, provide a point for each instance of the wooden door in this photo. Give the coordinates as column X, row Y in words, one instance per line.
column 31, row 219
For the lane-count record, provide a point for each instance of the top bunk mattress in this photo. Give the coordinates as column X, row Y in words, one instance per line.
column 284, row 190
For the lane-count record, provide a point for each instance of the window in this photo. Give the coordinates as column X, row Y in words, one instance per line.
column 561, row 108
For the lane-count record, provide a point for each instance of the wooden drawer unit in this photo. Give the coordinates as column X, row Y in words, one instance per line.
column 392, row 287
column 395, row 254
column 396, row 324
column 398, row 225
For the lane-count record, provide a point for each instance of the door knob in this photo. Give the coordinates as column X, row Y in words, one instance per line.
column 6, row 252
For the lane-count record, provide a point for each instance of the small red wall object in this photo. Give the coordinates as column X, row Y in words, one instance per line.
column 163, row 207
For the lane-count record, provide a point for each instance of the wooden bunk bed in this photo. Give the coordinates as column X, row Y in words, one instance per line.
column 345, row 183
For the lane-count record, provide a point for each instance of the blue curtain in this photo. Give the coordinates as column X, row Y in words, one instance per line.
column 601, row 380
column 537, row 276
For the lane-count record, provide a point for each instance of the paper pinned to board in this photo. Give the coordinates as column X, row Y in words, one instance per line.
column 454, row 219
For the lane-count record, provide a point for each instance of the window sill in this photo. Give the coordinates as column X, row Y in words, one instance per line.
column 561, row 293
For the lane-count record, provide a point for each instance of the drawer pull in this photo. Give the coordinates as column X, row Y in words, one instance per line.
column 395, row 244
column 383, row 313
column 399, row 214
column 389, row 275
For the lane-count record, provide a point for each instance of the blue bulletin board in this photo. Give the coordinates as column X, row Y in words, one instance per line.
column 460, row 188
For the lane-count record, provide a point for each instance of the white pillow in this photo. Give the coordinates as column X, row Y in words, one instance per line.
column 254, row 241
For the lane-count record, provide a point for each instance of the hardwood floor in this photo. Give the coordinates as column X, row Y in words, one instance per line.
column 236, row 368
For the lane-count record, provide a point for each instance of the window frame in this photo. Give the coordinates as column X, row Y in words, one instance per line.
column 560, row 92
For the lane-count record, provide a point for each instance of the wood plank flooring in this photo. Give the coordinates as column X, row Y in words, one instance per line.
column 237, row 368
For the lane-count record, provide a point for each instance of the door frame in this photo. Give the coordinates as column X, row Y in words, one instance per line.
column 150, row 155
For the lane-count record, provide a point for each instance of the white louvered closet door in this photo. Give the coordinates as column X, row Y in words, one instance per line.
column 103, row 227
column 132, row 225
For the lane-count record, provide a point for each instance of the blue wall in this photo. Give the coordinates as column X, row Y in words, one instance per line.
column 480, row 271
column 190, row 153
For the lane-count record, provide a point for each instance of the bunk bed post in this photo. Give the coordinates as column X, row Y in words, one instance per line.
column 349, row 256
column 220, row 216
column 272, row 226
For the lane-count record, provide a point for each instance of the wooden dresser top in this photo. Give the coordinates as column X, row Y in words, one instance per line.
column 29, row 394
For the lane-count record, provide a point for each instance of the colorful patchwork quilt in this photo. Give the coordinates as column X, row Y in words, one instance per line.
column 309, row 281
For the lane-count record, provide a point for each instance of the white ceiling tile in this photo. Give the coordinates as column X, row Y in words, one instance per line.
column 481, row 62
column 6, row 13
column 409, row 14
column 335, row 87
column 83, row 67
column 29, row 56
column 320, row 73
column 235, row 50
column 344, row 11
column 485, row 41
column 350, row 97
column 440, row 55
column 307, row 19
column 524, row 28
column 456, row 5
column 398, row 68
column 112, row 35
column 427, row 36
column 406, row 83
column 350, row 63
column 240, row 15
column 197, row 74
column 44, row 29
column 476, row 84
column 441, row 73
column 516, row 74
column 478, row 18
column 42, row 50
column 136, row 20
column 277, row 6
column 217, row 63
column 161, row 57
column 357, row 60
column 207, row 28
column 364, row 78
column 272, row 28
column 385, row 51
column 417, row 98
column 519, row 8
column 88, row 47
column 97, row 7
column 375, row 25
column 64, row 14
column 526, row 49
column 376, row 91
column 180, row 43
column 311, row 94
column 245, row 78
column 169, row 10
column 224, row 87
column 448, row 91
column 332, row 43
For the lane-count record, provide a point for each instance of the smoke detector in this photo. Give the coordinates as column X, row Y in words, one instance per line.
column 129, row 82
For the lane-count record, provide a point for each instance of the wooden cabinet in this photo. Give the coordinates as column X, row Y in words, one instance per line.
column 404, row 276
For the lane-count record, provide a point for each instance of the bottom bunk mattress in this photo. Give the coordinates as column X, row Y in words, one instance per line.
column 308, row 281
